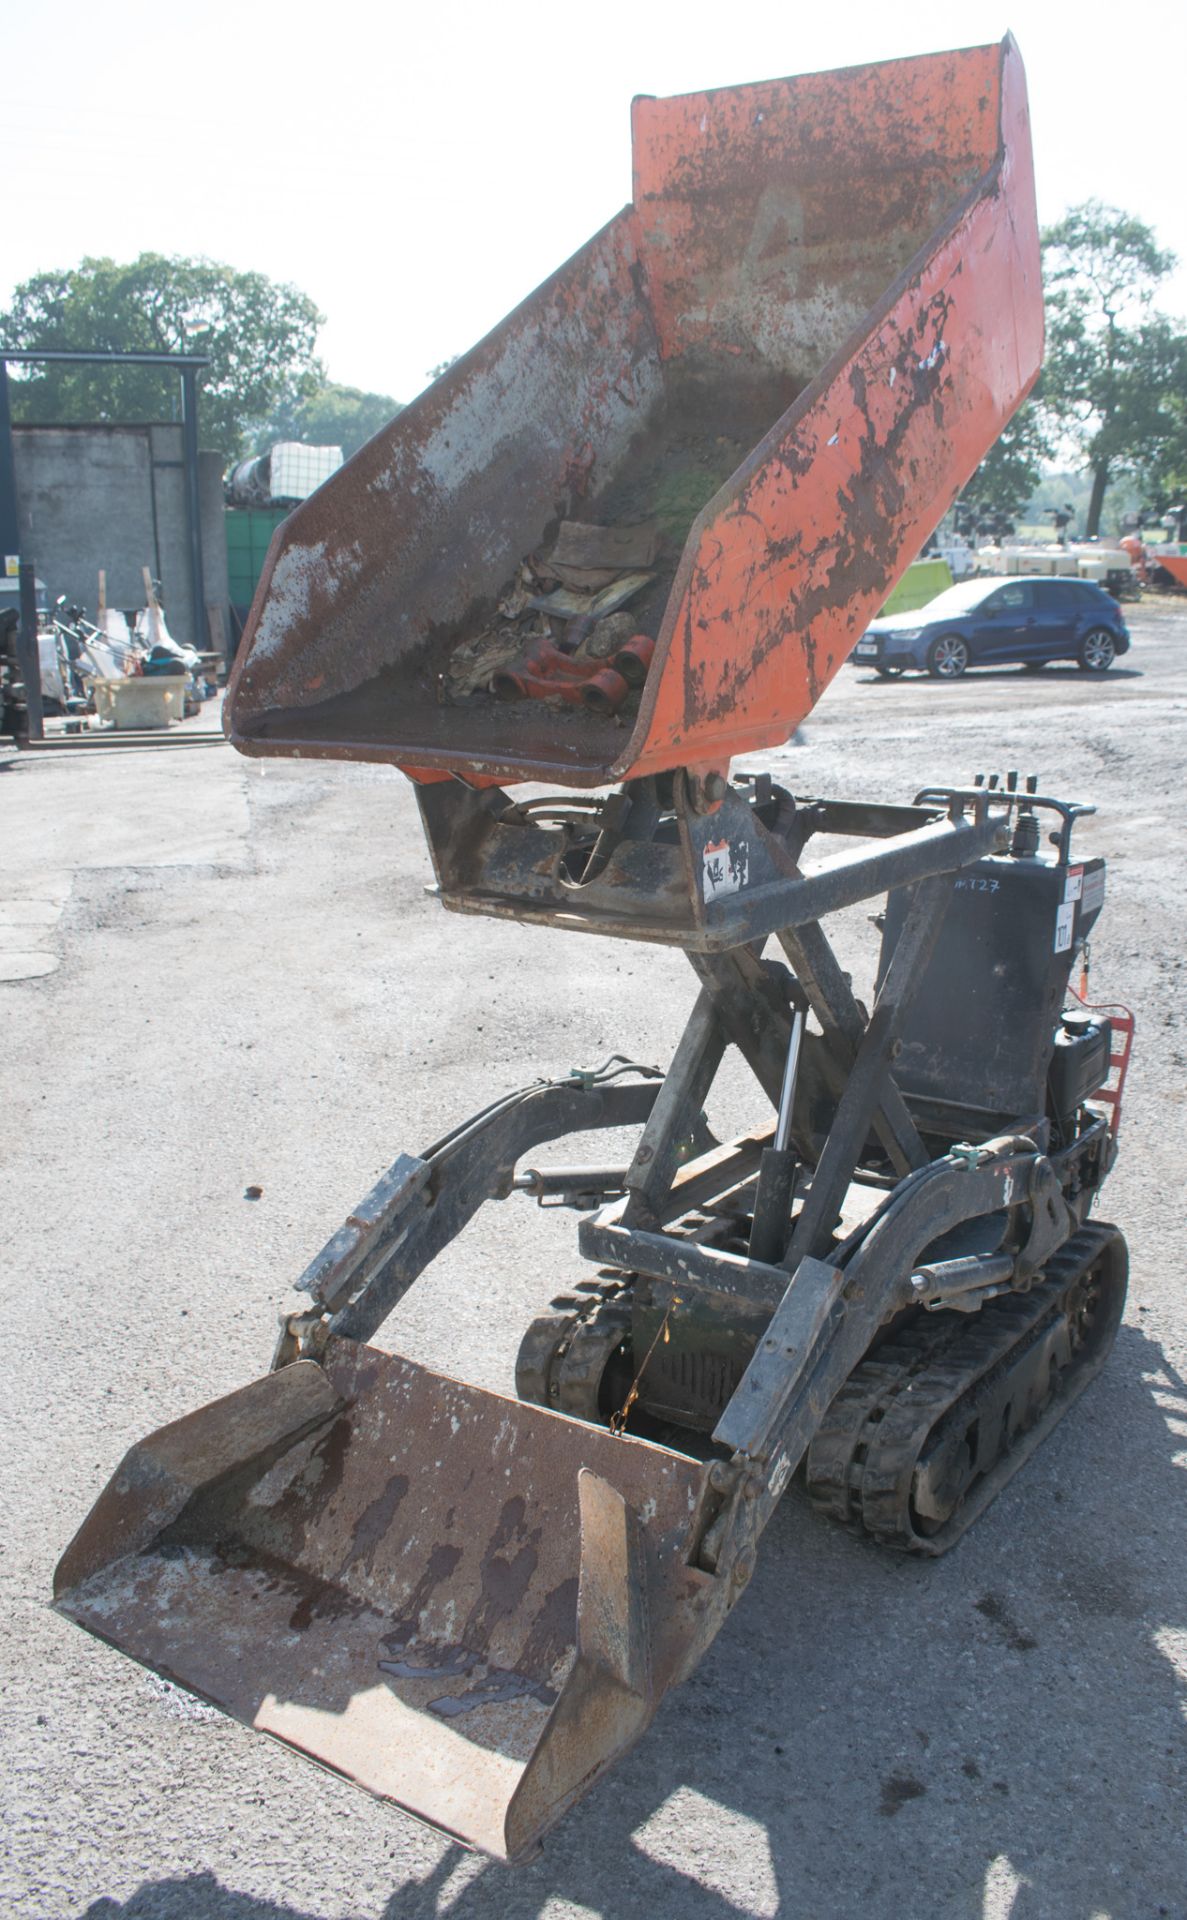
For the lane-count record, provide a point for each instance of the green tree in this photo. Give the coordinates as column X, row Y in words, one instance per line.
column 260, row 336
column 1013, row 467
column 1164, row 474
column 332, row 416
column 1113, row 362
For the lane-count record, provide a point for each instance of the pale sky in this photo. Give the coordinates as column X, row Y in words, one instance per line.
column 417, row 171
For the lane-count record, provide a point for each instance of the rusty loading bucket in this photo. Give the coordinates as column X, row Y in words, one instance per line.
column 467, row 1605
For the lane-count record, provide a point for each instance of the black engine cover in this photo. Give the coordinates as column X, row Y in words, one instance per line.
column 979, row 1033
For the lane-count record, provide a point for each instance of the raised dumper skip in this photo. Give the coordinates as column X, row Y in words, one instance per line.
column 781, row 362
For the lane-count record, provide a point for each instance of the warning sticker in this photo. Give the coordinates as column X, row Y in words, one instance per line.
column 1073, row 885
column 1065, row 920
column 724, row 867
column 1094, row 889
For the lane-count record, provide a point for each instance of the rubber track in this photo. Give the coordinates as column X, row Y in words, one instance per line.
column 862, row 1462
column 564, row 1354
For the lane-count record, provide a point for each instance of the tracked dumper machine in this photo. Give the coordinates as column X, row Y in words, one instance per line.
column 632, row 534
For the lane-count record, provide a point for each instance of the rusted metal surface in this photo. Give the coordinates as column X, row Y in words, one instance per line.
column 775, row 589
column 466, row 1605
column 374, row 578
column 816, row 317
column 706, row 877
column 470, row 1605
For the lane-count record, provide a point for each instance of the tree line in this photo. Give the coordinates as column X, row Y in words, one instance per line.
column 264, row 383
column 1112, row 396
column 1111, row 399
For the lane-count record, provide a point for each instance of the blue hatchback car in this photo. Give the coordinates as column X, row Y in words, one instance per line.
column 991, row 622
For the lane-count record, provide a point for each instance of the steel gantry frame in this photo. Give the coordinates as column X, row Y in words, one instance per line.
column 187, row 366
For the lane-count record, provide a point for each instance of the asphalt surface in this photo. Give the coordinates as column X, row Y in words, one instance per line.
column 242, row 981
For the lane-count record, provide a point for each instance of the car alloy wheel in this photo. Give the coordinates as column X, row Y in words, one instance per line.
column 1098, row 650
column 947, row 657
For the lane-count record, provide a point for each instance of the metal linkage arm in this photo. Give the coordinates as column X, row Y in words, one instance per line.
column 832, row 1001
column 803, row 1326
column 423, row 1202
column 866, row 1085
column 753, row 1011
column 677, row 1107
column 830, row 1314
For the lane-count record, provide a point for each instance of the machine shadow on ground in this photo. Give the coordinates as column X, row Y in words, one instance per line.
column 844, row 1830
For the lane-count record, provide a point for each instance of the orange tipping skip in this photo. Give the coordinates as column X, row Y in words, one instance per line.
column 792, row 350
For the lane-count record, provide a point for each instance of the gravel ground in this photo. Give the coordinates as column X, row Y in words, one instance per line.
column 234, row 976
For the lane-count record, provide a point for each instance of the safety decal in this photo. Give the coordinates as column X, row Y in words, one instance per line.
column 1065, row 920
column 1094, row 890
column 724, row 867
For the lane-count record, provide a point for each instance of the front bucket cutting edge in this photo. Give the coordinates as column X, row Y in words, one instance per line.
column 467, row 1605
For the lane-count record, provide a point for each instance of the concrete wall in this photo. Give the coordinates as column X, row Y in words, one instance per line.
column 114, row 497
